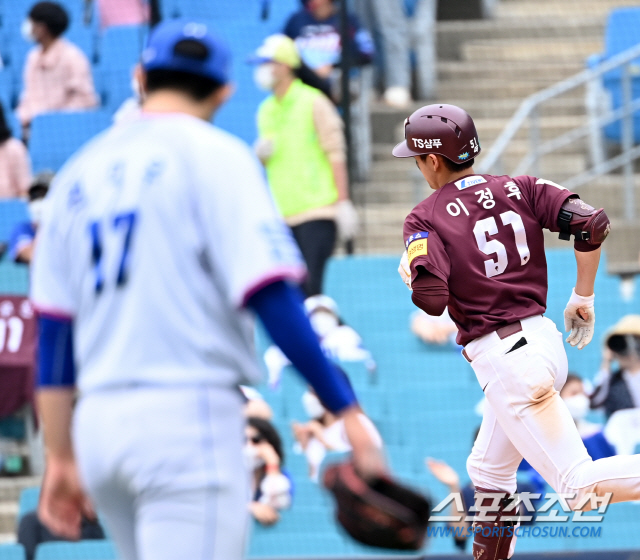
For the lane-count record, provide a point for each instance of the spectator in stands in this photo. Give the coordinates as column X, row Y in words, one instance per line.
column 57, row 74
column 255, row 405
column 15, row 166
column 323, row 433
column 316, row 30
column 122, row 12
column 302, row 145
column 338, row 341
column 434, row 330
column 401, row 33
column 577, row 401
column 272, row 488
column 32, row 532
column 23, row 235
column 619, row 389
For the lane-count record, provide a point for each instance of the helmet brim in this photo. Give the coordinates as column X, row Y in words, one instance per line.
column 403, row 151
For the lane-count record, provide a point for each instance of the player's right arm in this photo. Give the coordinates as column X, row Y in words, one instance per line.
column 426, row 266
column 62, row 500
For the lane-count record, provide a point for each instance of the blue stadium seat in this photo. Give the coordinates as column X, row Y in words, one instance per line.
column 82, row 550
column 28, row 500
column 56, row 136
column 118, row 52
column 6, row 90
column 14, row 278
column 12, row 552
column 621, row 34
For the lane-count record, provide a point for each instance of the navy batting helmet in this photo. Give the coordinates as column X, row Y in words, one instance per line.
column 443, row 129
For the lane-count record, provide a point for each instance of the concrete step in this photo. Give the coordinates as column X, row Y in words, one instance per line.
column 8, row 515
column 549, row 127
column 8, row 538
column 452, row 34
column 563, row 10
column 556, row 167
column 496, row 86
column 10, row 487
column 512, row 70
column 531, row 49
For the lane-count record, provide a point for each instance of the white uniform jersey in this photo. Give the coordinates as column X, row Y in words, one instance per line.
column 153, row 237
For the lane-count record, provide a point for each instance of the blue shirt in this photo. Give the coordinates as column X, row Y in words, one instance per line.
column 22, row 235
column 318, row 41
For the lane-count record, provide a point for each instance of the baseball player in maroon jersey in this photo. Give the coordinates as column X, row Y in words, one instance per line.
column 476, row 246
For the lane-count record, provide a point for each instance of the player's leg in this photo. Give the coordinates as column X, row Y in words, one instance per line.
column 96, row 452
column 196, row 504
column 492, row 468
column 316, row 240
column 522, row 388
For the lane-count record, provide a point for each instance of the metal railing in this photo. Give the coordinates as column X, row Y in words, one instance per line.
column 530, row 110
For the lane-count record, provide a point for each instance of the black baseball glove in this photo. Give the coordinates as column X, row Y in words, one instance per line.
column 378, row 513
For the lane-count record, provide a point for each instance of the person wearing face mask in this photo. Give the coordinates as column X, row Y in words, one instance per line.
column 271, row 487
column 301, row 144
column 619, row 389
column 577, row 401
column 15, row 165
column 316, row 30
column 22, row 238
column 57, row 74
column 324, row 433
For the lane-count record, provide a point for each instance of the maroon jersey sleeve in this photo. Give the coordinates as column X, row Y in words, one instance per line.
column 424, row 246
column 545, row 199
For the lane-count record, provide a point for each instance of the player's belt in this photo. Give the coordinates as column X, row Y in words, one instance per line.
column 508, row 330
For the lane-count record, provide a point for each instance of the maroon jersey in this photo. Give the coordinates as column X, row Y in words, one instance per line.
column 482, row 235
column 17, row 353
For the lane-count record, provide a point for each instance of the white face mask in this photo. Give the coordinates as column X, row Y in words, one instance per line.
column 578, row 406
column 26, row 30
column 251, row 458
column 323, row 322
column 312, row 405
column 264, row 77
column 35, row 210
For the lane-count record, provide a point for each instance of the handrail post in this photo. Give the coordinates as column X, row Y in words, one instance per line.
column 627, row 143
column 534, row 138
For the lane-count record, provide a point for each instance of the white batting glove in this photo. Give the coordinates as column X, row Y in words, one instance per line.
column 404, row 270
column 579, row 318
column 346, row 219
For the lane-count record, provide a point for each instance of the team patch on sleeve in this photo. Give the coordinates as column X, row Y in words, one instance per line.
column 416, row 245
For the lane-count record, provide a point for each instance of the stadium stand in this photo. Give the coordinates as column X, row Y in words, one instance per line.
column 49, row 148
column 12, row 552
column 82, row 550
column 620, row 35
column 13, row 277
column 28, row 500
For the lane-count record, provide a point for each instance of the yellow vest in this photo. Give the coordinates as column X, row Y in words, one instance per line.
column 299, row 172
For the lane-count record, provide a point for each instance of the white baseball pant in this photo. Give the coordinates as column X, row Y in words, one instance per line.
column 526, row 417
column 164, row 468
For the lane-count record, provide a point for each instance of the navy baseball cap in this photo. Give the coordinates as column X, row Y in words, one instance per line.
column 160, row 52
